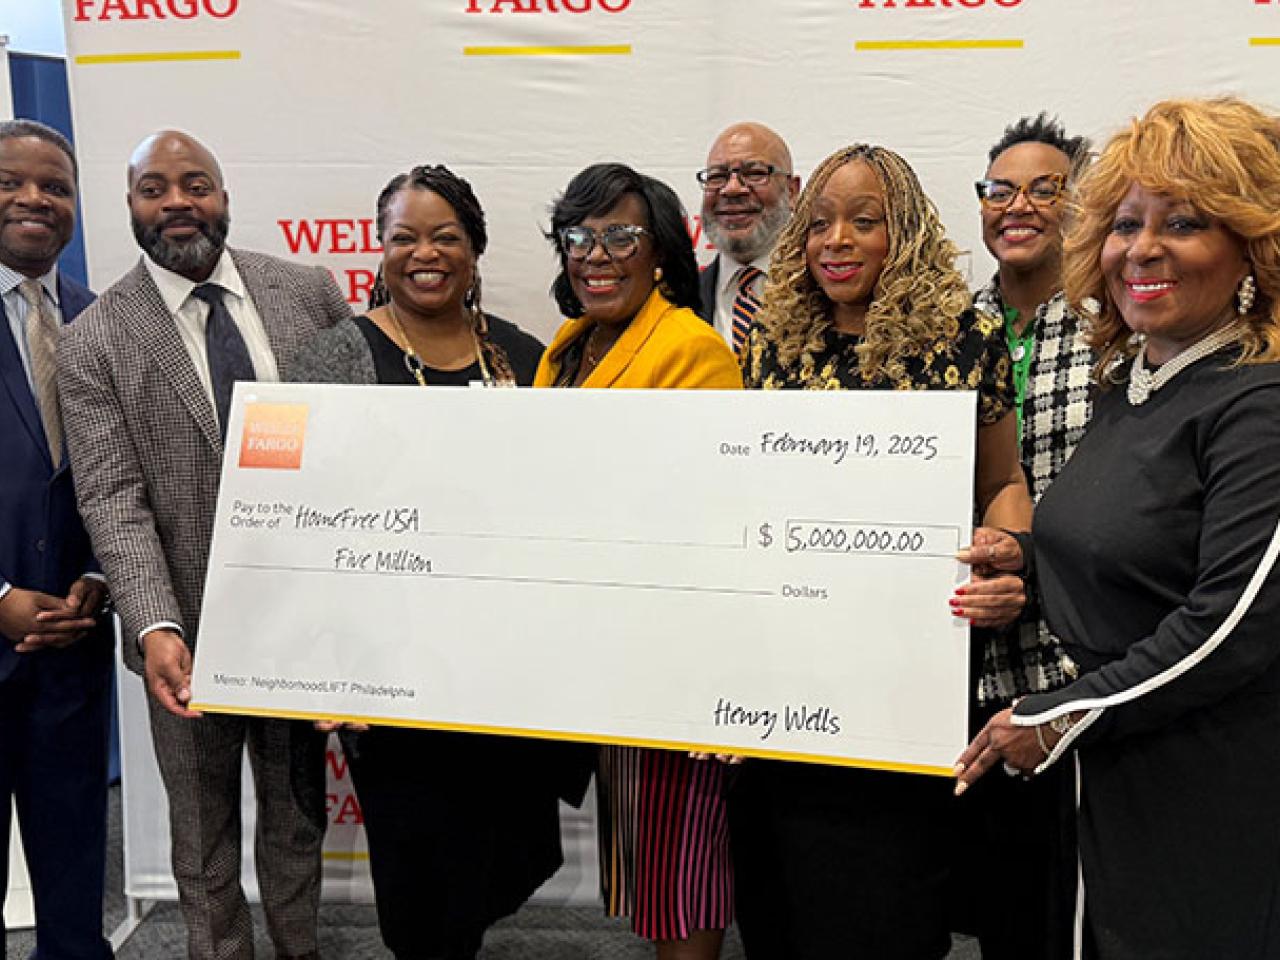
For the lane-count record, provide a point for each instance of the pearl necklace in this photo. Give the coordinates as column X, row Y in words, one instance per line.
column 1143, row 383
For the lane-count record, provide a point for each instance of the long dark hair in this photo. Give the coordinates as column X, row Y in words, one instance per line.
column 456, row 192
column 594, row 192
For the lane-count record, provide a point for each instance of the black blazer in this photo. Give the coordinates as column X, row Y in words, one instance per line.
column 708, row 279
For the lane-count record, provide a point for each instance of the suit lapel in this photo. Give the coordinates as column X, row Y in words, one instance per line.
column 270, row 300
column 18, row 387
column 614, row 363
column 149, row 320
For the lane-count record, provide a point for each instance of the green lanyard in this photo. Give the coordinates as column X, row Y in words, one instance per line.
column 1021, row 348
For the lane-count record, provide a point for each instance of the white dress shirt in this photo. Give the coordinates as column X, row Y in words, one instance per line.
column 192, row 317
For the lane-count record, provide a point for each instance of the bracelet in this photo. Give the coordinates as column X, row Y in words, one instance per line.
column 1040, row 740
column 1062, row 725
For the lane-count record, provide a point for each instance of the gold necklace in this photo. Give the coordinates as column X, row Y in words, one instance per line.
column 413, row 362
column 588, row 354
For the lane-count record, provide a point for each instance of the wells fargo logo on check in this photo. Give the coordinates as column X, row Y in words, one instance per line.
column 273, row 435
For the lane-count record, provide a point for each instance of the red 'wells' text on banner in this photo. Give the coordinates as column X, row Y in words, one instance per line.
column 337, row 236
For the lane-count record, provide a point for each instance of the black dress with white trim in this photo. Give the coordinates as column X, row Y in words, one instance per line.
column 1156, row 553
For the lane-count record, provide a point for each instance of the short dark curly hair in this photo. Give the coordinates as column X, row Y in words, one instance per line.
column 1045, row 129
column 11, row 129
column 594, row 192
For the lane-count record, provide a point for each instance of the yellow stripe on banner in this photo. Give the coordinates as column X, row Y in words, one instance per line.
column 159, row 56
column 352, row 856
column 1264, row 41
column 584, row 738
column 598, row 50
column 1006, row 44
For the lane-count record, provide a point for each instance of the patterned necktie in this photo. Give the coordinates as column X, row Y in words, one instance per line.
column 228, row 356
column 745, row 305
column 42, row 341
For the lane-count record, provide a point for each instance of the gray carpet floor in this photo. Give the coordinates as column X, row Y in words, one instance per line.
column 350, row 932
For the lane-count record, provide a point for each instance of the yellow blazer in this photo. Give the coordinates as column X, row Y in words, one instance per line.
column 664, row 346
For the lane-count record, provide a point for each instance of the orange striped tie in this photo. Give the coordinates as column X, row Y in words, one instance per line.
column 745, row 306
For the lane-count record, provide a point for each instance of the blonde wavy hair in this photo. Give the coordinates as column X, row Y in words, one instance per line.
column 917, row 299
column 1223, row 155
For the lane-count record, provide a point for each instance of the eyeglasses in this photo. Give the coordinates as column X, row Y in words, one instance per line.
column 620, row 240
column 1040, row 192
column 752, row 174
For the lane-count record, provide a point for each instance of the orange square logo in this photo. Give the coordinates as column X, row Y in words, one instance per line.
column 273, row 435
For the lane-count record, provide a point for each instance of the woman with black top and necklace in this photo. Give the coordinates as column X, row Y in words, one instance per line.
column 1155, row 549
column 462, row 828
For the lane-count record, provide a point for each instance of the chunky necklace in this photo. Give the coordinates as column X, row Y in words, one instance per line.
column 413, row 363
column 1143, row 382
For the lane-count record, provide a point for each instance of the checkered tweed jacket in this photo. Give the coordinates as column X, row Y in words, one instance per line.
column 143, row 434
column 1027, row 658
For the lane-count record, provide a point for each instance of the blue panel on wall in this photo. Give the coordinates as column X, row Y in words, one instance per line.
column 40, row 93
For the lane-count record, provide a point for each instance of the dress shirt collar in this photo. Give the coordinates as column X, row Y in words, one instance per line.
column 729, row 269
column 175, row 289
column 11, row 279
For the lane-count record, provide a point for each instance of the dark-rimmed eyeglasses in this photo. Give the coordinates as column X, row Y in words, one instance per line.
column 752, row 174
column 620, row 240
column 1040, row 192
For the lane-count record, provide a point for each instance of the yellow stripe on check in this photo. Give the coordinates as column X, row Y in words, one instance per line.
column 1003, row 44
column 349, row 855
column 158, row 56
column 585, row 738
column 597, row 50
column 1264, row 41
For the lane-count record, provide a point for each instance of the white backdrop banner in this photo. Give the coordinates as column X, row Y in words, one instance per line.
column 312, row 105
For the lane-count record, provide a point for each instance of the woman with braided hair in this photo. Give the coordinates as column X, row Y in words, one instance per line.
column 863, row 295
column 462, row 828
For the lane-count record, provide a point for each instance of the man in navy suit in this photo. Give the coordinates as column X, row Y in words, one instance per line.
column 55, row 645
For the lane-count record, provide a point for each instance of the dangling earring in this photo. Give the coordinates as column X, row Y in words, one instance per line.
column 1245, row 294
column 657, row 274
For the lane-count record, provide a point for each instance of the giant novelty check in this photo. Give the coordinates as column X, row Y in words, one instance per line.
column 759, row 573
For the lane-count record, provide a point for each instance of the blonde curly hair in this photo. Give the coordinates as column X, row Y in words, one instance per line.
column 916, row 300
column 1223, row 155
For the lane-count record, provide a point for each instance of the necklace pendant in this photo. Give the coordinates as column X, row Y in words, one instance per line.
column 1140, row 385
column 1019, row 352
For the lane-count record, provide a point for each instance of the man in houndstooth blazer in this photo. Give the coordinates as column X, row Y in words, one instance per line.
column 140, row 385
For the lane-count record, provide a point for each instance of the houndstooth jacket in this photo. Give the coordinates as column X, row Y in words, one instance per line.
column 1027, row 658
column 143, row 434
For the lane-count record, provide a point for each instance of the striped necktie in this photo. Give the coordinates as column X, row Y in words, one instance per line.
column 229, row 359
column 42, row 342
column 745, row 306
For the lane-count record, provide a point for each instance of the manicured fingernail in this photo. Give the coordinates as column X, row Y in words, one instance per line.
column 961, row 787
column 954, row 602
column 961, row 591
column 958, row 612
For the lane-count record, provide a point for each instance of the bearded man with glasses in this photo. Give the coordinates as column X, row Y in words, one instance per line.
column 748, row 190
column 1016, row 827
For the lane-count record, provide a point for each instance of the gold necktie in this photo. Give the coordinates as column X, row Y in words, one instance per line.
column 42, row 340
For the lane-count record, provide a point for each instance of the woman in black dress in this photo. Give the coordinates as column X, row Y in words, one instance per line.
column 1155, row 549
column 462, row 828
column 863, row 294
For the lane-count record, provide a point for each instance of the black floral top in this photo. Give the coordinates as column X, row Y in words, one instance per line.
column 971, row 355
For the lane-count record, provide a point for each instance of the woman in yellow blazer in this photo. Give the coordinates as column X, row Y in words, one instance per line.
column 629, row 282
